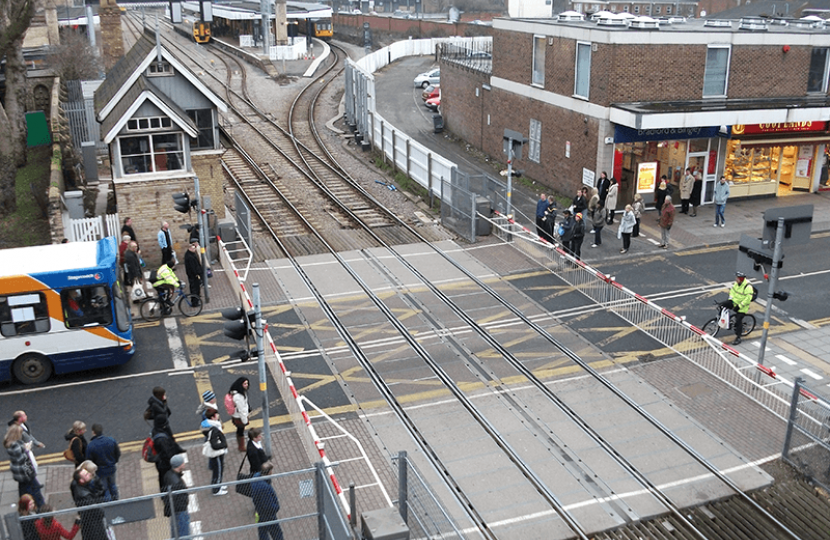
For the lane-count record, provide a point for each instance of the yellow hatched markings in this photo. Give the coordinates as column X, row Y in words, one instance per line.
column 192, row 344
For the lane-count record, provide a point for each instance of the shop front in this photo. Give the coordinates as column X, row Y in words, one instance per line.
column 777, row 159
column 643, row 156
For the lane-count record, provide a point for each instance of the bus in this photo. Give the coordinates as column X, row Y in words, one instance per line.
column 62, row 309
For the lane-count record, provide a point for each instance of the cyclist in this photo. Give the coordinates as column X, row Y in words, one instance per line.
column 740, row 296
column 166, row 282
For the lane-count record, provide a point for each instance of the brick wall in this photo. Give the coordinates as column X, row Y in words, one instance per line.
column 466, row 109
column 207, row 167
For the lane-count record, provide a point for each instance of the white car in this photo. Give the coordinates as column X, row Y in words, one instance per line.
column 430, row 77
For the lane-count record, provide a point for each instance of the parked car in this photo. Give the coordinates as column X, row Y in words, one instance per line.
column 430, row 77
column 431, row 91
column 433, row 103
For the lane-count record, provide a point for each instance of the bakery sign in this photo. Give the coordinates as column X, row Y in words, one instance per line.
column 780, row 127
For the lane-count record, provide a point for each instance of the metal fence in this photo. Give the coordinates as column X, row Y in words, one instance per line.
column 742, row 373
column 307, row 509
column 807, row 442
column 80, row 111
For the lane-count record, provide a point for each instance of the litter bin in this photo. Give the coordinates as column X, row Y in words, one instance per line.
column 437, row 123
column 483, row 227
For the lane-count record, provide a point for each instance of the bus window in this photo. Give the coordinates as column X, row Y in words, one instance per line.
column 24, row 314
column 84, row 306
column 122, row 312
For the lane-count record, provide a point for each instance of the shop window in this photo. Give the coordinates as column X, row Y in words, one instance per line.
column 23, row 314
column 582, row 77
column 535, row 140
column 539, row 60
column 817, row 76
column 204, row 121
column 86, row 306
column 698, row 145
column 717, row 71
column 151, row 153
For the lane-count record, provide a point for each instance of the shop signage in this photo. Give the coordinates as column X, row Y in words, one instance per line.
column 780, row 127
column 624, row 134
column 646, row 177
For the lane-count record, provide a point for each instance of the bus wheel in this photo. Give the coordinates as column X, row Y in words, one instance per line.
column 32, row 368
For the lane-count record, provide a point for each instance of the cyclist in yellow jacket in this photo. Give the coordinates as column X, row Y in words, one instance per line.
column 740, row 296
column 166, row 282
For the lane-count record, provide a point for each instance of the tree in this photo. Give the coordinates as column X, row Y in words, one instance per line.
column 15, row 17
column 74, row 59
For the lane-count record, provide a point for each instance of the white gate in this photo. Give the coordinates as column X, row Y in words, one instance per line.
column 91, row 229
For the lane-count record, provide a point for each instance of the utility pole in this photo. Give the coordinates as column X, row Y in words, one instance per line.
column 512, row 146
column 259, row 332
column 773, row 280
column 201, row 217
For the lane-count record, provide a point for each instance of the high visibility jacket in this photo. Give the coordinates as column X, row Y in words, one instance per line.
column 741, row 295
column 165, row 276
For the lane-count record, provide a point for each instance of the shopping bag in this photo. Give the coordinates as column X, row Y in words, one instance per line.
column 723, row 322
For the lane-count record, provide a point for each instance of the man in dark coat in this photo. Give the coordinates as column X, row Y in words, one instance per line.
column 173, row 482
column 104, row 452
column 602, row 185
column 132, row 265
column 86, row 490
column 193, row 268
column 266, row 504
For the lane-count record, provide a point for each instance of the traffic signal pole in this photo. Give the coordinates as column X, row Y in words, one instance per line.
column 773, row 281
column 203, row 235
column 259, row 333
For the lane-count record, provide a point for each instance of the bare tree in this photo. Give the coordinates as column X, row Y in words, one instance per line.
column 15, row 17
column 74, row 59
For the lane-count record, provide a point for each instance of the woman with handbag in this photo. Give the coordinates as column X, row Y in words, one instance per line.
column 239, row 394
column 214, row 448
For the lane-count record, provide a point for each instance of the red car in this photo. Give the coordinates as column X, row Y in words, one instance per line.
column 433, row 103
column 431, row 91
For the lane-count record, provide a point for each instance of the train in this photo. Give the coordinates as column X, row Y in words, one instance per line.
column 319, row 28
column 198, row 31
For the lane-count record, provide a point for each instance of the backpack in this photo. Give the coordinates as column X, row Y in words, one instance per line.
column 149, row 452
column 754, row 292
column 229, row 405
column 68, row 453
column 154, row 276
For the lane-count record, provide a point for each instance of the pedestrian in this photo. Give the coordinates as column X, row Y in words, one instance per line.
column 266, row 504
column 86, row 491
column 104, row 452
column 239, row 394
column 550, row 220
column 592, row 205
column 50, row 529
column 208, row 403
column 255, row 451
column 660, row 195
column 686, row 185
column 122, row 248
column 578, row 236
column 77, row 441
column 603, row 184
column 639, row 207
column 22, row 464
column 127, row 229
column 174, row 481
column 159, row 411
column 541, row 206
column 22, row 419
column 580, row 202
column 626, row 227
column 611, row 201
column 566, row 229
column 721, row 194
column 214, row 448
column 599, row 222
column 193, row 268
column 26, row 507
column 165, row 242
column 697, row 191
column 133, row 274
column 666, row 221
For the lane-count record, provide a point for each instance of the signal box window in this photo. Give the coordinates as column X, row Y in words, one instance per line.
column 151, row 153
column 204, row 121
column 23, row 314
column 86, row 306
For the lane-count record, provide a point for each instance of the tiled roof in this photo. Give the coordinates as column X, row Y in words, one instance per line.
column 123, row 69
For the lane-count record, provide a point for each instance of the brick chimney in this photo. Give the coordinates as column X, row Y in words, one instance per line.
column 113, row 40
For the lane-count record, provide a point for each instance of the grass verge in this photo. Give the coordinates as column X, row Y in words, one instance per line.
column 28, row 226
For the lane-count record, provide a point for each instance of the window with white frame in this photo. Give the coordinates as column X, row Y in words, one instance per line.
column 668, row 10
column 535, row 140
column 625, row 9
column 582, row 74
column 538, row 76
column 817, row 76
column 151, row 153
column 717, row 71
column 149, row 123
column 160, row 69
column 657, row 10
column 636, row 9
column 204, row 122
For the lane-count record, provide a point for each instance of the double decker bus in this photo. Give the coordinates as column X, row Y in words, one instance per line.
column 62, row 309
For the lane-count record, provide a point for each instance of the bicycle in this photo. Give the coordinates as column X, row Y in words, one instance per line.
column 712, row 327
column 154, row 308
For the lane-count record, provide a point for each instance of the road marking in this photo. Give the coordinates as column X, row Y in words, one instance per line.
column 803, row 324
column 812, row 374
column 785, row 359
column 653, row 241
column 757, row 345
column 174, row 342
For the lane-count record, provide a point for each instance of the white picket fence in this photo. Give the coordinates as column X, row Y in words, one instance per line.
column 91, row 229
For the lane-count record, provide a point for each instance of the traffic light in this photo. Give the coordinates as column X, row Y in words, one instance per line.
column 240, row 325
column 181, row 202
column 781, row 295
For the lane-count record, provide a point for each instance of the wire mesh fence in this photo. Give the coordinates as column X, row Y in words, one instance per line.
column 807, row 443
column 296, row 505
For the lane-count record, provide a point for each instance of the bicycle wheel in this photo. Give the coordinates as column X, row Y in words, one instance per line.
column 151, row 309
column 711, row 327
column 749, row 324
column 190, row 305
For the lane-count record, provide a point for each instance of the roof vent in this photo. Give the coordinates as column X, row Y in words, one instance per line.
column 599, row 14
column 809, row 22
column 570, row 16
column 753, row 24
column 644, row 23
column 612, row 20
column 718, row 23
column 677, row 20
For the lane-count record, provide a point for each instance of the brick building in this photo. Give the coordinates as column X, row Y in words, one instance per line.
column 738, row 98
column 160, row 122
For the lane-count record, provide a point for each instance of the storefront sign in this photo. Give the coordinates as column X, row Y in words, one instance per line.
column 624, row 134
column 646, row 176
column 780, row 127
